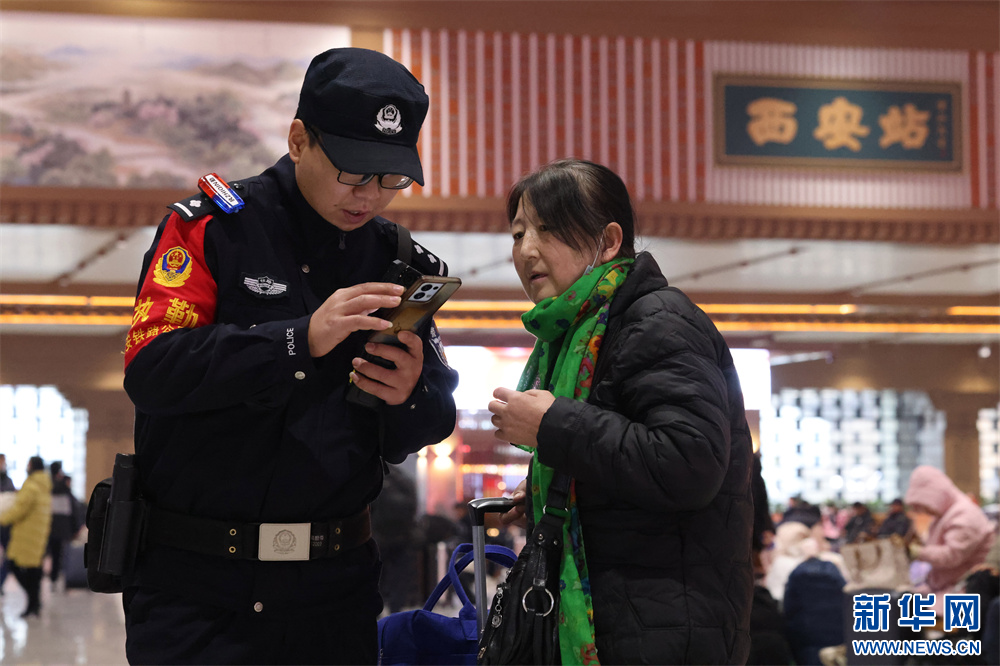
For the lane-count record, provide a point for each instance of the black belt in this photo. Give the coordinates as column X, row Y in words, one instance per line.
column 258, row 541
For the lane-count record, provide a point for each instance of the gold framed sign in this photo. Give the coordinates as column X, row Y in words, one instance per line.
column 837, row 123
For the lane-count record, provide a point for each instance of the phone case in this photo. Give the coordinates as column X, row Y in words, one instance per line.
column 418, row 304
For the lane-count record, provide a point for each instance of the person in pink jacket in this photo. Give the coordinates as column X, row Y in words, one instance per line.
column 959, row 536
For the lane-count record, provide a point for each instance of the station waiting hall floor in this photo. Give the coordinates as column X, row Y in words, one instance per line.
column 75, row 626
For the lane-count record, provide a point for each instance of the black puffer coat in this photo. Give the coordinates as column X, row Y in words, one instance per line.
column 662, row 458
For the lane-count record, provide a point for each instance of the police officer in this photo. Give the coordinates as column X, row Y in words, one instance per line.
column 250, row 326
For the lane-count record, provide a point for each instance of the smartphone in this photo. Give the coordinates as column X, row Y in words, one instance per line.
column 422, row 298
column 418, row 304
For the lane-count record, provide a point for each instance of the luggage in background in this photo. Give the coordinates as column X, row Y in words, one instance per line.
column 73, row 567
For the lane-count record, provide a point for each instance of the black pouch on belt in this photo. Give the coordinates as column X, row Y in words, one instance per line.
column 114, row 522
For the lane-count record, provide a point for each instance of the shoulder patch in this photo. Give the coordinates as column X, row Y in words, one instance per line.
column 173, row 267
column 195, row 206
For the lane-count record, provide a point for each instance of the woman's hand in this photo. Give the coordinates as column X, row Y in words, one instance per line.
column 516, row 515
column 517, row 416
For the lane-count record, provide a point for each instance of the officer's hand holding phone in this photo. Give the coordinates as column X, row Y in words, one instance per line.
column 348, row 310
column 423, row 295
column 393, row 385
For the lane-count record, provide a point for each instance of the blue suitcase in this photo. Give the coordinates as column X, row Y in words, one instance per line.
column 425, row 637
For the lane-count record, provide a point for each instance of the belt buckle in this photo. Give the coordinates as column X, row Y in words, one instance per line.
column 284, row 542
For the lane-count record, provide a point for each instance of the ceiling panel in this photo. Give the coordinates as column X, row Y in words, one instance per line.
column 33, row 253
column 36, row 253
column 122, row 263
column 827, row 338
column 979, row 280
column 824, row 266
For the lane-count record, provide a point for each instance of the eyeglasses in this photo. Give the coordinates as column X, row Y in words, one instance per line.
column 387, row 181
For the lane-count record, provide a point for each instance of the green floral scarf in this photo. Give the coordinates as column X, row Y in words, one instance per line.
column 572, row 326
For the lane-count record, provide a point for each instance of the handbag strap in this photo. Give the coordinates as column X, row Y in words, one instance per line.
column 461, row 558
column 554, row 512
column 558, row 497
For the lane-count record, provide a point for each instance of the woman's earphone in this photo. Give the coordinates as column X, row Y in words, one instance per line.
column 600, row 248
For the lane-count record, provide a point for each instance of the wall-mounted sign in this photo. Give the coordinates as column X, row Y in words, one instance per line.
column 834, row 123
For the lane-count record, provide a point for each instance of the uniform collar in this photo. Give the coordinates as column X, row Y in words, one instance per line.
column 317, row 232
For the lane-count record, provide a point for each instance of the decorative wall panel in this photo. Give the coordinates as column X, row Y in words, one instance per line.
column 142, row 103
column 503, row 104
column 859, row 188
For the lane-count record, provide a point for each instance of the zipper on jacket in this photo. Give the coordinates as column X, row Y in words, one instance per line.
column 343, row 237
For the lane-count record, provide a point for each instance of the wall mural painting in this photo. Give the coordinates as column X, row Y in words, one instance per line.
column 97, row 101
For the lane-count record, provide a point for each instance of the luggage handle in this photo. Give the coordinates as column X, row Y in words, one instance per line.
column 460, row 559
column 478, row 508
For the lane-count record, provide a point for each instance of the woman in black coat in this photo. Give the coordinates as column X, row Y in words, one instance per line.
column 653, row 432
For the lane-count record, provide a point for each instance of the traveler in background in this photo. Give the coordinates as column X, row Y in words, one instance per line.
column 832, row 529
column 632, row 391
column 6, row 483
column 250, row 327
column 861, row 526
column 958, row 537
column 66, row 519
column 6, row 486
column 801, row 511
column 394, row 526
column 794, row 543
column 896, row 521
column 813, row 606
column 763, row 524
column 768, row 640
column 30, row 519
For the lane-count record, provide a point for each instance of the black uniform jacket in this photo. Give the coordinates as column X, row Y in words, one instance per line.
column 235, row 420
column 662, row 459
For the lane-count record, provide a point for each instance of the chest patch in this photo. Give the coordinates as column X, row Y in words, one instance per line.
column 264, row 286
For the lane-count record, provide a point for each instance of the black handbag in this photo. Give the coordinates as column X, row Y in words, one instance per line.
column 523, row 623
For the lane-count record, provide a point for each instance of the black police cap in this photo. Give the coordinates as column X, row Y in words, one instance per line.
column 367, row 109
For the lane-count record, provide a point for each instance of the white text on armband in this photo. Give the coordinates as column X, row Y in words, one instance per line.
column 290, row 340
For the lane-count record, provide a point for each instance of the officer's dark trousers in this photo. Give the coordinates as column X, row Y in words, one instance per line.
column 164, row 628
